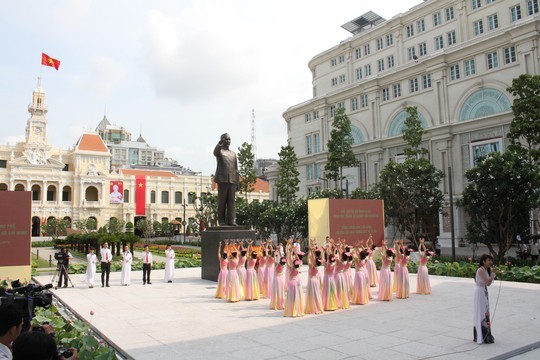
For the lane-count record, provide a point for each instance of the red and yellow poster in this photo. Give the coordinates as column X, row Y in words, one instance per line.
column 347, row 219
column 15, row 235
column 116, row 192
column 140, row 195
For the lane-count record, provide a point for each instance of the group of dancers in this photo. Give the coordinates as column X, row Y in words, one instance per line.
column 251, row 273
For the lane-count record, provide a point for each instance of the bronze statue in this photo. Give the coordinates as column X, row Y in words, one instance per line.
column 227, row 179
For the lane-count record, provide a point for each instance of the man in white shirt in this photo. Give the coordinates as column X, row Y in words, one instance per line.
column 11, row 322
column 106, row 257
column 147, row 265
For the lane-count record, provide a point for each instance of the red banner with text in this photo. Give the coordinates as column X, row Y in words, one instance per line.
column 140, row 195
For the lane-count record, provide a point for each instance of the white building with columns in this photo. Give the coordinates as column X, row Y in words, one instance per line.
column 452, row 59
column 76, row 183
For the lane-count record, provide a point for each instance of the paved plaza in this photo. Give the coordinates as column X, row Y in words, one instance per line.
column 183, row 320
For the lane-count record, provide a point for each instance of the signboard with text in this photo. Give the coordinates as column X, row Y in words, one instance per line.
column 15, row 234
column 348, row 219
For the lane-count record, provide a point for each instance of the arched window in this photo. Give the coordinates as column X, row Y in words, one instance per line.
column 398, row 123
column 484, row 102
column 36, row 192
column 357, row 135
column 178, row 197
column 19, row 187
column 92, row 225
column 68, row 220
column 51, row 193
column 126, row 195
column 66, row 193
column 91, row 194
column 3, row 187
column 164, row 197
column 152, row 197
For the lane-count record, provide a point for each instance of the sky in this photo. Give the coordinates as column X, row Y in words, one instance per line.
column 181, row 72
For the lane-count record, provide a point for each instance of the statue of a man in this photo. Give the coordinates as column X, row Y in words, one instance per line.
column 227, row 179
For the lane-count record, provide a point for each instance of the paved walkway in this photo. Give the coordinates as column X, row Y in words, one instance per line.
column 183, row 320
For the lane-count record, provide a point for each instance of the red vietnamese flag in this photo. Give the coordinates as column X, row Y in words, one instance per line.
column 140, row 195
column 49, row 61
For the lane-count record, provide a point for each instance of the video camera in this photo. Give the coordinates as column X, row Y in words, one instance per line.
column 27, row 298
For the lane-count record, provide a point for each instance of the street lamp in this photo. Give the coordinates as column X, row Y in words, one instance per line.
column 184, row 205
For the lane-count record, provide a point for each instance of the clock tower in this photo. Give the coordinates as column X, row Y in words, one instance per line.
column 36, row 126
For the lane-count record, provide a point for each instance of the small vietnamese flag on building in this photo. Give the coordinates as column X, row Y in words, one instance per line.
column 49, row 61
column 140, row 195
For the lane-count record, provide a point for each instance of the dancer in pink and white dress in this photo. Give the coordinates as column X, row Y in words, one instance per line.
column 385, row 276
column 235, row 292
column 277, row 302
column 329, row 289
column 361, row 278
column 314, row 304
column 398, row 251
column 261, row 269
column 270, row 269
column 221, row 291
column 251, row 285
column 241, row 268
column 370, row 264
column 294, row 303
column 341, row 284
column 423, row 286
column 404, row 279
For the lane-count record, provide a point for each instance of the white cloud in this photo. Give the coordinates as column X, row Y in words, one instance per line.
column 103, row 76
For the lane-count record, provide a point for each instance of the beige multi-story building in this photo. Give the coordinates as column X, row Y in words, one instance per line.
column 452, row 59
column 79, row 183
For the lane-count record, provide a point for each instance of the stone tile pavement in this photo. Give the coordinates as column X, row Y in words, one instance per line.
column 183, row 320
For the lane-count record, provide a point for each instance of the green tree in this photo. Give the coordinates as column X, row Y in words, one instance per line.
column 340, row 154
column 86, row 225
column 410, row 190
column 55, row 227
column 115, row 226
column 146, row 228
column 501, row 191
column 287, row 183
column 246, row 161
column 524, row 132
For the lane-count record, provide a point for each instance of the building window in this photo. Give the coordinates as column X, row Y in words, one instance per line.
column 439, row 42
column 389, row 39
column 164, row 197
column 390, row 60
column 490, row 1
column 437, row 19
column 3, row 164
column 341, row 59
column 354, row 104
column 333, row 62
column 191, row 196
column 470, row 67
column 413, row 85
column 454, row 72
column 493, row 22
column 449, row 12
column 316, row 143
column 334, row 81
column 357, row 53
column 363, row 101
column 152, row 197
column 309, row 172
column 367, row 70
column 386, row 94
column 380, row 65
column 367, row 50
column 478, row 27
column 451, row 38
column 421, row 25
column 380, row 43
column 332, row 110
column 476, row 4
column 411, row 53
column 426, row 81
column 532, row 7
column 410, row 30
column 422, row 49
column 309, row 145
column 307, row 117
column 126, row 196
column 493, row 60
column 177, row 197
column 341, row 78
column 509, row 54
column 397, row 90
column 359, row 74
column 515, row 12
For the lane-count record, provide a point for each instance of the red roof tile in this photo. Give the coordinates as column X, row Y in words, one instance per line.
column 91, row 142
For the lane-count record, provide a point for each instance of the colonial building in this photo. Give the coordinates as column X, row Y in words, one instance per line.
column 81, row 183
column 452, row 59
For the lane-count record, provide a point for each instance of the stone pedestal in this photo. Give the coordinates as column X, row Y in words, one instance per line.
column 210, row 244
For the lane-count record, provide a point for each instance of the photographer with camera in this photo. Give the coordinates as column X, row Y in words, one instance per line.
column 38, row 345
column 11, row 322
column 63, row 258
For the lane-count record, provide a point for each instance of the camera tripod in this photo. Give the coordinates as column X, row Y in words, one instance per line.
column 61, row 269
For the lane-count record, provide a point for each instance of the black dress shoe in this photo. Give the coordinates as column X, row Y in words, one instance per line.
column 144, row 283
column 149, row 283
column 108, row 285
column 170, row 281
